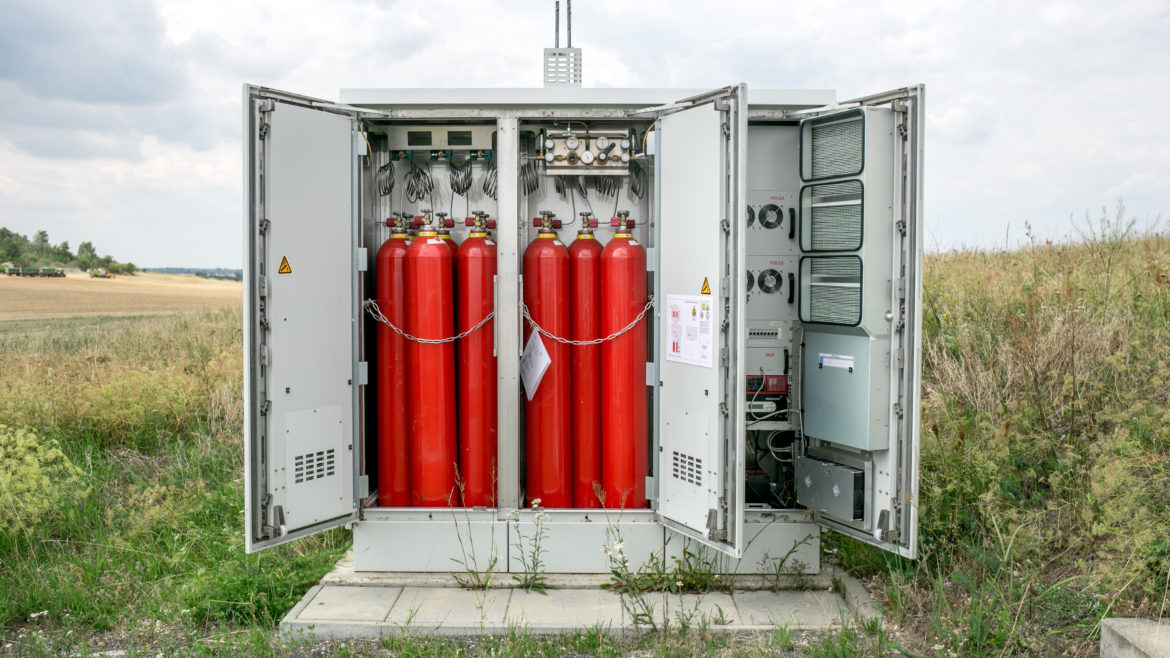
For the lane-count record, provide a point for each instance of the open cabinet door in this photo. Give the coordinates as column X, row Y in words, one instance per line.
column 699, row 164
column 301, row 312
column 861, row 318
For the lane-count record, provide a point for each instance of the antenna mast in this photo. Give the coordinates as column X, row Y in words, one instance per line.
column 562, row 66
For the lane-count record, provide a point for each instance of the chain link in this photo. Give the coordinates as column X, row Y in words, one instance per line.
column 595, row 341
column 371, row 307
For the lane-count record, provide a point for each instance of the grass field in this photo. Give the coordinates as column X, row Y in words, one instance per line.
column 142, row 293
column 1044, row 502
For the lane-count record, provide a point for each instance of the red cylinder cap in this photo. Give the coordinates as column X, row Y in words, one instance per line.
column 592, row 222
column 417, row 220
column 449, row 223
column 470, row 221
column 491, row 223
column 615, row 222
column 556, row 223
column 629, row 223
column 536, row 222
column 390, row 222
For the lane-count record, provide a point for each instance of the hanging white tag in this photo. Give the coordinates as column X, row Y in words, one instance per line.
column 534, row 362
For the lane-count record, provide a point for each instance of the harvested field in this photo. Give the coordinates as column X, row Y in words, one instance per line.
column 142, row 293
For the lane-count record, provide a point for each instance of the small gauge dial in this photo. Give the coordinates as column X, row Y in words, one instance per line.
column 602, row 142
column 587, row 157
column 572, row 143
column 625, row 143
column 548, row 144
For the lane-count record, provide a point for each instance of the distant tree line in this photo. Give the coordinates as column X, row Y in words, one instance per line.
column 39, row 252
column 202, row 272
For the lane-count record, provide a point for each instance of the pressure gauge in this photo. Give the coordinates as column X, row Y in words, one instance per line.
column 625, row 144
column 603, row 156
column 587, row 157
column 549, row 144
column 625, row 157
column 572, row 142
column 602, row 142
column 548, row 156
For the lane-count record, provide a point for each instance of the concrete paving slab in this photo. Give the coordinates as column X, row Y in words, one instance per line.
column 564, row 609
column 808, row 610
column 434, row 607
column 354, row 604
column 712, row 607
column 1126, row 637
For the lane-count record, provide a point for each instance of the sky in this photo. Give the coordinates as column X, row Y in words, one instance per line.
column 121, row 120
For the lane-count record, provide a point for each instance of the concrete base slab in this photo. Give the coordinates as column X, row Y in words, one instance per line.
column 1123, row 637
column 430, row 607
column 802, row 609
column 357, row 604
column 563, row 610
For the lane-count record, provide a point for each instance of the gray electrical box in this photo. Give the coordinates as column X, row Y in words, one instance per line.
column 783, row 234
column 832, row 488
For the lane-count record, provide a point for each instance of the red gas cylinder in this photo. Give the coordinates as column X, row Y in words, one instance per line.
column 624, row 438
column 390, row 374
column 548, row 412
column 430, row 314
column 585, row 322
column 475, row 265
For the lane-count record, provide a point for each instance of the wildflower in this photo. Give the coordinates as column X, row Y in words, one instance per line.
column 619, row 545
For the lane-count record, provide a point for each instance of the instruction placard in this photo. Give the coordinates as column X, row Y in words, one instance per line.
column 690, row 323
column 534, row 362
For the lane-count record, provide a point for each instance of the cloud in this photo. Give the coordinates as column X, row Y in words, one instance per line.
column 97, row 52
column 120, row 122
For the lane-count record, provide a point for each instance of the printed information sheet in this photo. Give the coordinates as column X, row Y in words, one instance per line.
column 690, row 325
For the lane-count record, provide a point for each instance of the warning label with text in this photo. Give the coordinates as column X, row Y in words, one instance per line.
column 690, row 325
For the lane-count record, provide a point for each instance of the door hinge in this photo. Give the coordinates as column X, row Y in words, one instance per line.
column 881, row 531
column 713, row 530
column 901, row 288
column 363, row 259
column 901, row 226
column 901, row 356
column 264, row 226
column 725, row 225
column 265, row 106
column 723, row 409
column 265, row 407
column 263, row 284
column 898, row 409
column 725, row 286
column 264, row 324
column 278, row 527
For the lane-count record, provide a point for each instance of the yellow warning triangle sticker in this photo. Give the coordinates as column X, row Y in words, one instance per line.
column 705, row 291
column 285, row 269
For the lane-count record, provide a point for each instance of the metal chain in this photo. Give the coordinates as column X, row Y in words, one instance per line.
column 371, row 307
column 595, row 341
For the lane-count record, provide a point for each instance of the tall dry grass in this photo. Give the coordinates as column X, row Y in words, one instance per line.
column 145, row 416
column 1045, row 493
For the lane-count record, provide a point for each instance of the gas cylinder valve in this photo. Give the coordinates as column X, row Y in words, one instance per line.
column 546, row 220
